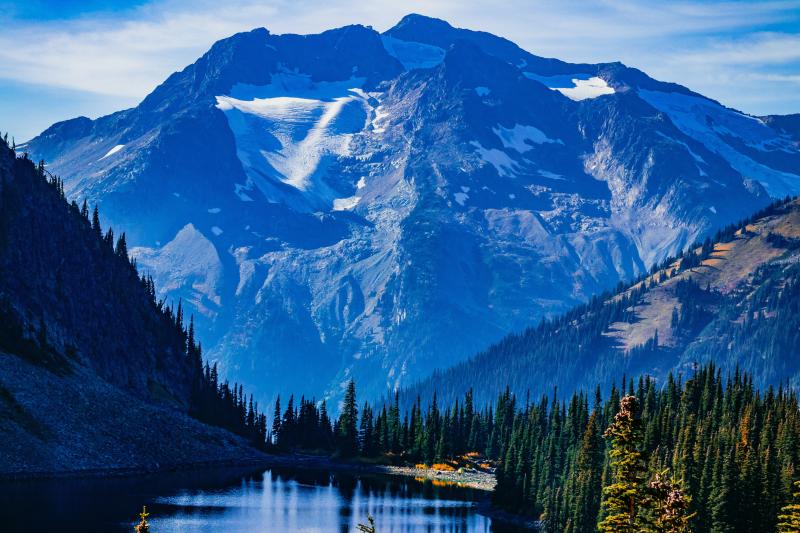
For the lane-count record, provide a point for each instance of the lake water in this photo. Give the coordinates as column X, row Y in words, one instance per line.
column 274, row 500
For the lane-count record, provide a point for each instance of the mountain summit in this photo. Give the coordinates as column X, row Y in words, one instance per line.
column 367, row 205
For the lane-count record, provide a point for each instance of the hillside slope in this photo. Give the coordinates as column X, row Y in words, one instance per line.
column 379, row 205
column 94, row 374
column 734, row 301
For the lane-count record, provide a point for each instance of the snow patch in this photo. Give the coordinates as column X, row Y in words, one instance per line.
column 504, row 165
column 461, row 198
column 483, row 91
column 550, row 175
column 113, row 151
column 574, row 86
column 519, row 137
column 344, row 204
column 216, row 230
column 214, row 210
column 711, row 124
column 287, row 129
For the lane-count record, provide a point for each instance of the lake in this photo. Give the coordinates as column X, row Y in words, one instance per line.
column 272, row 500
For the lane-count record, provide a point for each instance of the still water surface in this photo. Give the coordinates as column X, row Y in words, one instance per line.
column 275, row 500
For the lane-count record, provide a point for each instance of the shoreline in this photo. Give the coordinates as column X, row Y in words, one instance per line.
column 475, row 480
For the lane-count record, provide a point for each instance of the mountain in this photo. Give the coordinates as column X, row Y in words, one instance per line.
column 732, row 301
column 94, row 374
column 379, row 205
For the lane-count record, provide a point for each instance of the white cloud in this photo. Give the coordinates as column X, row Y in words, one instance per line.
column 693, row 43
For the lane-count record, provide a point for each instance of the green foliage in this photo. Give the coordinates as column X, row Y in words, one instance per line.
column 789, row 519
column 668, row 505
column 704, row 454
column 348, row 423
column 624, row 497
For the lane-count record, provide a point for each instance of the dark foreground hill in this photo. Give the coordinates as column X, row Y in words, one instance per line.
column 94, row 373
column 732, row 300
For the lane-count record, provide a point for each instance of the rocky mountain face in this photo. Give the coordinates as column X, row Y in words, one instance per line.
column 732, row 301
column 358, row 204
column 93, row 375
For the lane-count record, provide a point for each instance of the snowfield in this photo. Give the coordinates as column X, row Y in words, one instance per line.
column 289, row 137
column 575, row 86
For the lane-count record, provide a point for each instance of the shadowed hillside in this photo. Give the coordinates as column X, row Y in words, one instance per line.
column 732, row 300
column 94, row 372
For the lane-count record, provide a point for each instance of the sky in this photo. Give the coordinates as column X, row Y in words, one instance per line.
column 60, row 59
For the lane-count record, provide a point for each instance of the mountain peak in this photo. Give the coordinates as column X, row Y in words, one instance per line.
column 417, row 22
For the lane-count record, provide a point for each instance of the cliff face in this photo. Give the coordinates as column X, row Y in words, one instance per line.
column 93, row 373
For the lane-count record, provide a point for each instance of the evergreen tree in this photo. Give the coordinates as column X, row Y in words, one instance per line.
column 588, row 478
column 98, row 231
column 348, row 429
column 669, row 505
column 789, row 518
column 625, row 496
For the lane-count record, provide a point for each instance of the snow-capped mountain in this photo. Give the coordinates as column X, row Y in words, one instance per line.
column 379, row 205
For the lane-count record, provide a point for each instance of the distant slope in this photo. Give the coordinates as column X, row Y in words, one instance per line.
column 93, row 373
column 734, row 300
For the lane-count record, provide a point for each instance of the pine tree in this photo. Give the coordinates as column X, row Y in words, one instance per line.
column 588, row 477
column 348, row 423
column 276, row 421
column 789, row 518
column 669, row 505
column 98, row 231
column 624, row 498
column 122, row 247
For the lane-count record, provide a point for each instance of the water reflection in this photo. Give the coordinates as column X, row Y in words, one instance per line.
column 274, row 500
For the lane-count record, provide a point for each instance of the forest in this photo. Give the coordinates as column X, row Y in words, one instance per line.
column 702, row 453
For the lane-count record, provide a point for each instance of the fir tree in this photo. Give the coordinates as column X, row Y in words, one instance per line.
column 789, row 518
column 348, row 428
column 625, row 496
column 98, row 231
column 669, row 505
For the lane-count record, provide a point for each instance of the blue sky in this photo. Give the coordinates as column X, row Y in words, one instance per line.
column 60, row 59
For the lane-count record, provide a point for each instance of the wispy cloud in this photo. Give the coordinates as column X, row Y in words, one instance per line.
column 697, row 43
